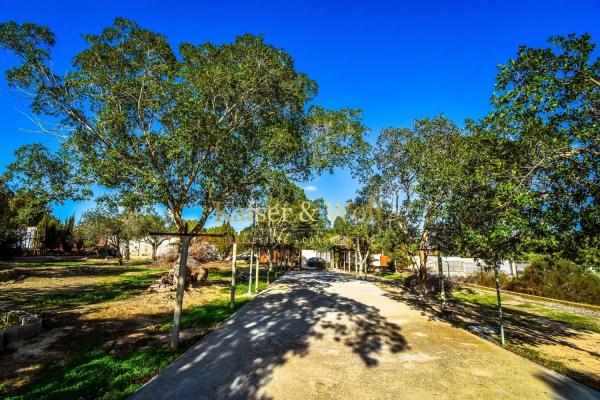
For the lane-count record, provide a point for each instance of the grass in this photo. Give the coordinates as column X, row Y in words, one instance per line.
column 578, row 321
column 75, row 263
column 90, row 371
column 397, row 278
column 118, row 288
column 538, row 358
column 4, row 325
column 93, row 373
column 485, row 299
column 489, row 300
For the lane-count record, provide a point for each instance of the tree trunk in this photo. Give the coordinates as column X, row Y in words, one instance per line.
column 422, row 274
column 233, row 260
column 500, row 318
column 154, row 248
column 127, row 255
column 270, row 255
column 441, row 273
column 250, row 272
column 257, row 277
column 181, row 275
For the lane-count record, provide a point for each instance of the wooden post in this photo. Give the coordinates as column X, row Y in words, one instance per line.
column 250, row 273
column 257, row 272
column 441, row 272
column 270, row 262
column 180, row 289
column 233, row 260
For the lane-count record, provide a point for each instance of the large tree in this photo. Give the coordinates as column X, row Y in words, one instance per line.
column 411, row 171
column 547, row 106
column 196, row 127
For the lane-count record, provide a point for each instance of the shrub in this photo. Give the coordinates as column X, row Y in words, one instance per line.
column 488, row 279
column 560, row 279
column 432, row 284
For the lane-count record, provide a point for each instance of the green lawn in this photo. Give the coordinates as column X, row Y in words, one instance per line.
column 392, row 276
column 91, row 372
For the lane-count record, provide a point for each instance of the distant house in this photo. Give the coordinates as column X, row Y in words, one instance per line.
column 140, row 248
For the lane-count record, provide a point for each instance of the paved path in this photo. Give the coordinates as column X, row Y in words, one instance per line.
column 325, row 335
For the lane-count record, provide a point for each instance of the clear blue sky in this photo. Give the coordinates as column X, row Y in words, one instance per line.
column 397, row 62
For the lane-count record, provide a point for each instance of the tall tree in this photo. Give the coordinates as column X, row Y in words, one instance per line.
column 193, row 128
column 547, row 104
column 106, row 224
column 411, row 172
column 142, row 226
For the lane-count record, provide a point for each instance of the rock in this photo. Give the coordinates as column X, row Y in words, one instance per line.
column 195, row 272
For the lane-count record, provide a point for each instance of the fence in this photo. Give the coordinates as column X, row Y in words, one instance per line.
column 458, row 266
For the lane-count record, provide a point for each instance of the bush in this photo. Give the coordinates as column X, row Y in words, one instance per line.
column 432, row 285
column 488, row 279
column 559, row 279
column 548, row 276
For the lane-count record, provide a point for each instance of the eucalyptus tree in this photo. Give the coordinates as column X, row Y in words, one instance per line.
column 194, row 128
column 409, row 179
column 197, row 127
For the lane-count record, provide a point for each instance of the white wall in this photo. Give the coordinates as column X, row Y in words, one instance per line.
column 460, row 266
column 142, row 249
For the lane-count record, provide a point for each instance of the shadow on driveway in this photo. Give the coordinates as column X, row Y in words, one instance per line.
column 236, row 360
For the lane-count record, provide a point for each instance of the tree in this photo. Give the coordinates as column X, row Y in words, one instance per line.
column 286, row 217
column 531, row 165
column 142, row 225
column 547, row 105
column 199, row 128
column 223, row 244
column 412, row 171
column 358, row 230
column 106, row 225
column 196, row 128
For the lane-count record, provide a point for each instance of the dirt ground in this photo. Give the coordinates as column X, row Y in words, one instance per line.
column 76, row 301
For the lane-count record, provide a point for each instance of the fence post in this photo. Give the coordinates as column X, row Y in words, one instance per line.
column 233, row 259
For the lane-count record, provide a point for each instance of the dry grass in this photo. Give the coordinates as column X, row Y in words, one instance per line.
column 99, row 311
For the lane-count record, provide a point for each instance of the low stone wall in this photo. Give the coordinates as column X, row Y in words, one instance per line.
column 29, row 326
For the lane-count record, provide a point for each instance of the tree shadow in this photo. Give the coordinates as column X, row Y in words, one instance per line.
column 69, row 298
column 521, row 327
column 563, row 388
column 239, row 358
column 60, row 271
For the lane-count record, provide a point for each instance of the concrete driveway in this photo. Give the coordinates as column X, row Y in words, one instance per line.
column 327, row 335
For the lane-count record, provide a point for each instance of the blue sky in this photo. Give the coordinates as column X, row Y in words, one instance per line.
column 395, row 61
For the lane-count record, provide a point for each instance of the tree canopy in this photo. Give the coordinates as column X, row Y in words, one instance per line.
column 201, row 126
